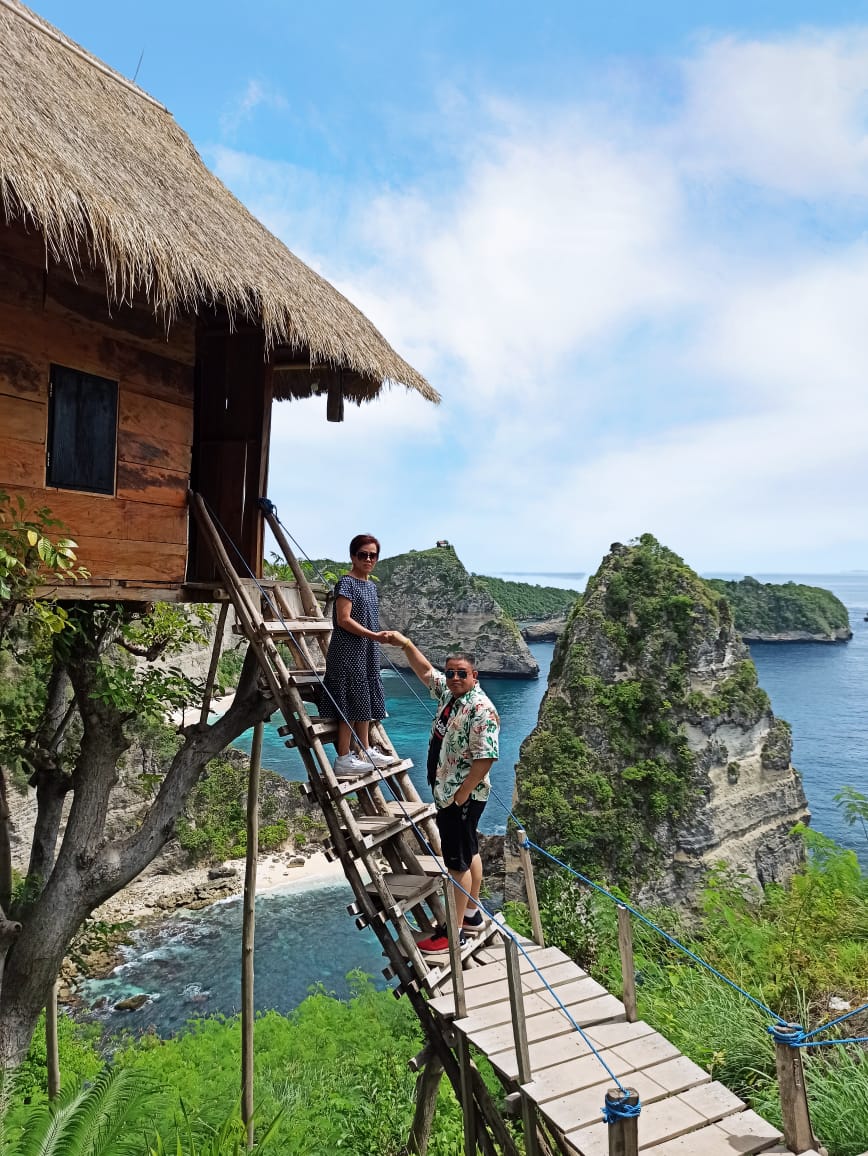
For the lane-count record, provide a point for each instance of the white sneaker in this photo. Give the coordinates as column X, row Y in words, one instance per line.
column 347, row 766
column 379, row 759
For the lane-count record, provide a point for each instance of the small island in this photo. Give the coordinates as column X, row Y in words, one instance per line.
column 784, row 612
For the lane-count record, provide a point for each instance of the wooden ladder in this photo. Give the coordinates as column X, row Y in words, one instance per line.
column 389, row 847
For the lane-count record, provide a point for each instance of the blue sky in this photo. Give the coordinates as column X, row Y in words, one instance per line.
column 625, row 241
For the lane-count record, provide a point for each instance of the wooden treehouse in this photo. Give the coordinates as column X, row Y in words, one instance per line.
column 147, row 324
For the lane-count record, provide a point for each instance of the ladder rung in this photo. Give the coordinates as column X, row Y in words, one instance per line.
column 326, row 731
column 376, row 829
column 276, row 628
column 375, row 776
column 408, row 891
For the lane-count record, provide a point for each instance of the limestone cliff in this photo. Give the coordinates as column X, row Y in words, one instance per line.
column 785, row 612
column 656, row 754
column 428, row 595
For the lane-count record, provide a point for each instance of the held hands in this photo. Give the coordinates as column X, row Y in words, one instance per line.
column 393, row 638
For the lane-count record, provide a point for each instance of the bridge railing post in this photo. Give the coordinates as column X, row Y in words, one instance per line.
column 530, row 888
column 798, row 1133
column 462, row 1047
column 623, row 1129
column 628, row 967
column 522, row 1053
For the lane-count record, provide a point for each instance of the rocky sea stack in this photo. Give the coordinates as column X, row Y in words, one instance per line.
column 429, row 595
column 656, row 754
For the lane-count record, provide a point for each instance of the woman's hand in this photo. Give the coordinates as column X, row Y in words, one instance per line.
column 393, row 638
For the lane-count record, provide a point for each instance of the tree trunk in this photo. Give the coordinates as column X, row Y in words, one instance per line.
column 89, row 869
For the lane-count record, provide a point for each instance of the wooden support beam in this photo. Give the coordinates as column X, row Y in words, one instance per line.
column 519, row 1027
column 212, row 667
column 628, row 966
column 798, row 1133
column 624, row 1130
column 427, row 1087
column 248, row 932
column 530, row 889
column 52, row 1052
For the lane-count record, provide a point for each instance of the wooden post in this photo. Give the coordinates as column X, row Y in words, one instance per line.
column 427, row 1087
column 52, row 1054
column 628, row 967
column 454, row 949
column 212, row 668
column 798, row 1134
column 530, row 888
column 468, row 1105
column 248, row 932
column 519, row 1030
column 624, row 1130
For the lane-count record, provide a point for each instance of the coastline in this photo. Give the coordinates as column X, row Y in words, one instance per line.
column 155, row 896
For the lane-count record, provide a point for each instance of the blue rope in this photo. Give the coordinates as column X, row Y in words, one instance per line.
column 791, row 1034
column 829, row 1043
column 614, row 1110
column 649, row 923
column 839, row 1020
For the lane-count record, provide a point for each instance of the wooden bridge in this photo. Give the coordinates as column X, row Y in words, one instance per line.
column 513, row 1000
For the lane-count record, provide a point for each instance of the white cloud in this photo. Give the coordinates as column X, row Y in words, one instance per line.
column 624, row 341
column 256, row 95
column 787, row 115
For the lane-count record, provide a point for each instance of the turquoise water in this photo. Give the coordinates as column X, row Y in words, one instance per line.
column 305, row 937
column 409, row 723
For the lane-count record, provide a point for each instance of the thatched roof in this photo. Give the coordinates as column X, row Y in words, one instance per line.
column 103, row 170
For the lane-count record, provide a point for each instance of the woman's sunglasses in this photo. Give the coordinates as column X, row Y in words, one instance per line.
column 367, row 555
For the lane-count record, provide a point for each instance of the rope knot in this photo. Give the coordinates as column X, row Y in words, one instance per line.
column 621, row 1104
column 791, row 1034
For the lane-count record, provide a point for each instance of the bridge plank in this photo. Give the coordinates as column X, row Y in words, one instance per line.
column 546, row 1053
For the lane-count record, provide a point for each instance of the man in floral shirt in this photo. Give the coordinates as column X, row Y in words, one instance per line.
column 464, row 745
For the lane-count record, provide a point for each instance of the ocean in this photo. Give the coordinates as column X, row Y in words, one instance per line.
column 305, row 937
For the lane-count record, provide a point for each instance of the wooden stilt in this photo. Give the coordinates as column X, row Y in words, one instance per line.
column 530, row 889
column 519, row 1026
column 798, row 1133
column 624, row 1131
column 248, row 932
column 52, row 1053
column 427, row 1087
column 628, row 966
column 212, row 668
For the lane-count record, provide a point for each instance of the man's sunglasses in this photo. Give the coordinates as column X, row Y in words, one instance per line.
column 458, row 673
column 367, row 555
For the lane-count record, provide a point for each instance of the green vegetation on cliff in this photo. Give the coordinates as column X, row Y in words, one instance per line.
column 608, row 770
column 770, row 608
column 523, row 601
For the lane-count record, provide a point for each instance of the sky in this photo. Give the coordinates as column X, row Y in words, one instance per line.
column 626, row 242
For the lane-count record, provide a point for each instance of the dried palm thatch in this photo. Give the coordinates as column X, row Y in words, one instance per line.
column 108, row 177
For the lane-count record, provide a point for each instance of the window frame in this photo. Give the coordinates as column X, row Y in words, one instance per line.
column 59, row 375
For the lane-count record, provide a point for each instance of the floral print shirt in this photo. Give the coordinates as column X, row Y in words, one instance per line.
column 471, row 733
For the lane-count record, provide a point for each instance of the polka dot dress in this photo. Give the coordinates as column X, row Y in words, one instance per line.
column 353, row 686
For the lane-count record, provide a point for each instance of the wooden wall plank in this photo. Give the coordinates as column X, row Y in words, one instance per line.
column 99, row 516
column 148, row 452
column 43, row 338
column 22, row 373
column 125, row 561
column 159, row 421
column 23, row 463
column 150, row 484
column 22, row 419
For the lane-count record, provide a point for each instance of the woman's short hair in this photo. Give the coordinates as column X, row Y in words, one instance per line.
column 362, row 540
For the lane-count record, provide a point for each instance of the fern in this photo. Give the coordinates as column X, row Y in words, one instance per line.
column 86, row 1121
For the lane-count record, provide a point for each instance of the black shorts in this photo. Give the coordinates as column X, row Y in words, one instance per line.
column 457, row 826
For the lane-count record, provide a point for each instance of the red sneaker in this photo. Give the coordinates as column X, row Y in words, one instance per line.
column 438, row 942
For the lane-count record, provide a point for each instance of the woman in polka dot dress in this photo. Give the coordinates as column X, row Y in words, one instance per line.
column 353, row 686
